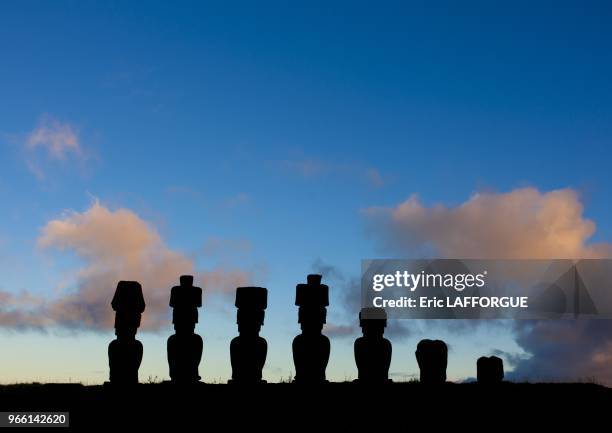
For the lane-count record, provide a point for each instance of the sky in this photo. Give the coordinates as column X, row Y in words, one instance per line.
column 253, row 143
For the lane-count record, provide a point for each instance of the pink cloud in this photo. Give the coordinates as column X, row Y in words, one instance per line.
column 113, row 245
column 521, row 224
column 56, row 138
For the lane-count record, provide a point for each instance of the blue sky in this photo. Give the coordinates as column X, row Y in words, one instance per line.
column 271, row 126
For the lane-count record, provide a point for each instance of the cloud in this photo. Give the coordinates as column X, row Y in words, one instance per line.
column 521, row 224
column 339, row 331
column 314, row 168
column 564, row 350
column 239, row 199
column 215, row 246
column 51, row 140
column 343, row 322
column 374, row 177
column 222, row 279
column 56, row 138
column 307, row 167
column 112, row 245
column 524, row 223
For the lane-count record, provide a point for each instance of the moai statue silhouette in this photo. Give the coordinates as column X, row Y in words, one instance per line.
column 490, row 370
column 311, row 348
column 185, row 346
column 125, row 352
column 432, row 357
column 248, row 351
column 373, row 350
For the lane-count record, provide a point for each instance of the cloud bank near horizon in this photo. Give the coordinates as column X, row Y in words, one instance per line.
column 113, row 245
column 524, row 223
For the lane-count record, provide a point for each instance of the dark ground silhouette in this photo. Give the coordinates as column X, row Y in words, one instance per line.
column 344, row 406
column 371, row 400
